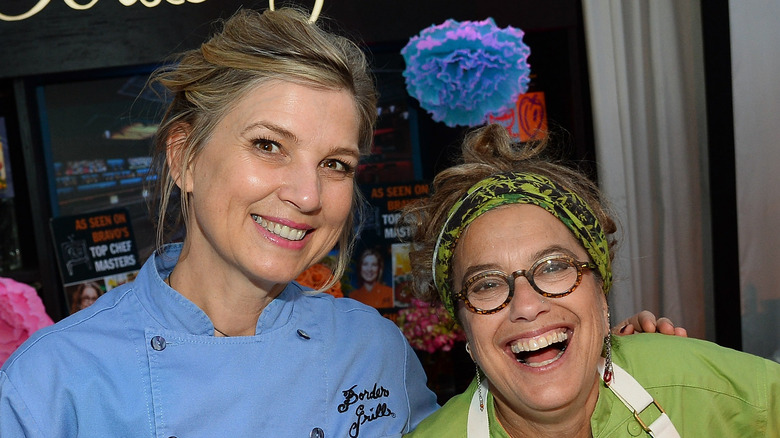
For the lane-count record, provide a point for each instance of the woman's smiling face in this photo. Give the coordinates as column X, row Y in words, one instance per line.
column 369, row 268
column 272, row 187
column 526, row 378
column 88, row 297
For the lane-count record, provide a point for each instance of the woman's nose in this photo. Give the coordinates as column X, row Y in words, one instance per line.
column 527, row 304
column 302, row 189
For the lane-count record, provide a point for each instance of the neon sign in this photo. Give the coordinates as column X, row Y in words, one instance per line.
column 73, row 4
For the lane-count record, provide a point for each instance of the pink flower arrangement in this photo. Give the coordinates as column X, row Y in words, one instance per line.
column 429, row 328
column 21, row 314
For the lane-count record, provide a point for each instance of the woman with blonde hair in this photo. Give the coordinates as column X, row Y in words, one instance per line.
column 371, row 290
column 255, row 158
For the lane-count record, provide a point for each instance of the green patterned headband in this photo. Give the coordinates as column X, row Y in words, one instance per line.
column 518, row 188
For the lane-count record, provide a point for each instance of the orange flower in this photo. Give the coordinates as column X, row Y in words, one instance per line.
column 317, row 276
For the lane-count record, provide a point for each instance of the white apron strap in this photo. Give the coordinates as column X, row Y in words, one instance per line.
column 478, row 426
column 637, row 399
column 623, row 385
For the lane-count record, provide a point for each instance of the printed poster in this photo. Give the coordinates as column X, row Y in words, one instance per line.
column 380, row 271
column 96, row 252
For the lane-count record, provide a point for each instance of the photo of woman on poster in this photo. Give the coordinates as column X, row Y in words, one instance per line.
column 84, row 295
column 371, row 290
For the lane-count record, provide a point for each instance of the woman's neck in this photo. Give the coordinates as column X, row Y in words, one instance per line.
column 229, row 299
column 570, row 421
column 570, row 428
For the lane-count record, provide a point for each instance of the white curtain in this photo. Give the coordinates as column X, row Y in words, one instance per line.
column 647, row 87
column 755, row 57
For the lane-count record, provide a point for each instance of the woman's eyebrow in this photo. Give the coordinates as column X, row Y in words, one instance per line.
column 476, row 269
column 286, row 133
column 342, row 150
column 279, row 130
column 550, row 250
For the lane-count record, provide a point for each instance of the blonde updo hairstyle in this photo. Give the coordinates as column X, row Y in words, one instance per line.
column 251, row 49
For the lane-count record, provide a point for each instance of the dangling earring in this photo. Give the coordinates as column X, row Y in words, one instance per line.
column 479, row 390
column 479, row 380
column 608, row 359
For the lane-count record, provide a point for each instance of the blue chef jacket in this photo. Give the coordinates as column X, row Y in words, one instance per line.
column 143, row 362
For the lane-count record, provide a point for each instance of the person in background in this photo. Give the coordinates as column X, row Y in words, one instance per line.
column 518, row 249
column 371, row 290
column 84, row 295
column 255, row 157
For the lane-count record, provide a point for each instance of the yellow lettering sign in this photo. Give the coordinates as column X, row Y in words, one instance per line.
column 35, row 9
column 74, row 4
column 78, row 7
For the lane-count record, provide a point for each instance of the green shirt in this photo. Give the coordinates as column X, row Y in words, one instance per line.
column 706, row 390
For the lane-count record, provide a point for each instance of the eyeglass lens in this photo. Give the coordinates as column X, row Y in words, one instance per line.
column 491, row 289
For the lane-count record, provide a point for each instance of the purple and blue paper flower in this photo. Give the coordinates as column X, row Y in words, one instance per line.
column 461, row 72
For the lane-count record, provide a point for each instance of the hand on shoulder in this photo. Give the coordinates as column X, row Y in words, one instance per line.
column 646, row 322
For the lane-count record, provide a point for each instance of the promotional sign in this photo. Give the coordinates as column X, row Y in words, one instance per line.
column 96, row 253
column 528, row 120
column 380, row 268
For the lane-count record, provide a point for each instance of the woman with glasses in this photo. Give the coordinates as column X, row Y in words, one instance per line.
column 518, row 250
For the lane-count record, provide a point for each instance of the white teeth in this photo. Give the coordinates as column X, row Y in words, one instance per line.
column 539, row 342
column 280, row 230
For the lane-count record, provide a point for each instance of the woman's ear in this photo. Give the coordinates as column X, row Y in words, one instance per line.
column 468, row 350
column 176, row 146
column 467, row 331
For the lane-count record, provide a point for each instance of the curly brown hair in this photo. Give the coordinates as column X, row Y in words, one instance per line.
column 488, row 151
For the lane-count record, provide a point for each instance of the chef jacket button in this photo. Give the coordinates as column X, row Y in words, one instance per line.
column 316, row 432
column 305, row 335
column 634, row 428
column 158, row 343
